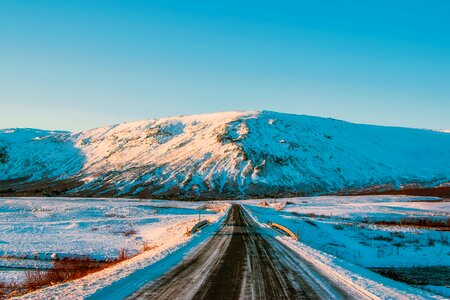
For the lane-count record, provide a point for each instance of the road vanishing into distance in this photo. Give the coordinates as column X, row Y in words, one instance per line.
column 241, row 262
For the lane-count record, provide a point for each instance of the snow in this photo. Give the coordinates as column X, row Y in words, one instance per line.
column 345, row 227
column 171, row 246
column 125, row 286
column 337, row 236
column 33, row 154
column 354, row 277
column 230, row 154
column 342, row 272
column 442, row 290
column 36, row 230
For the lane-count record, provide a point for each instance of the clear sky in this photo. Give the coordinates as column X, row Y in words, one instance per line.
column 75, row 65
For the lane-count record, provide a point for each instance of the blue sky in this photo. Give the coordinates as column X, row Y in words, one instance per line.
column 75, row 65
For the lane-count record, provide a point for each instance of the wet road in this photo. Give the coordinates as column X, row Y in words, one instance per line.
column 241, row 262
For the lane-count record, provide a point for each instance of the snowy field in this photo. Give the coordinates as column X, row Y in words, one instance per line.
column 352, row 228
column 33, row 231
column 342, row 235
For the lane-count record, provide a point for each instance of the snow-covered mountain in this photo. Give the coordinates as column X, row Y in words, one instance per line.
column 444, row 130
column 222, row 155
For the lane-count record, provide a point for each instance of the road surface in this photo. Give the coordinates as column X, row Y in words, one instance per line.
column 241, row 262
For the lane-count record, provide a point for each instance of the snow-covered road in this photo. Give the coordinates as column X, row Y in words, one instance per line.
column 241, row 261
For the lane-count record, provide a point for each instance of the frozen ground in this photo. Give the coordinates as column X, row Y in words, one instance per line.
column 36, row 230
column 338, row 235
column 173, row 245
column 345, row 227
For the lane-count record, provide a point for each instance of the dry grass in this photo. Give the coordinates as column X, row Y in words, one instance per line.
column 130, row 232
column 2, row 290
column 147, row 247
column 122, row 255
column 442, row 192
column 438, row 224
column 311, row 215
column 63, row 270
column 10, row 289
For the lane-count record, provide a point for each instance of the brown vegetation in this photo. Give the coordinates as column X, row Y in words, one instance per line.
column 130, row 232
column 2, row 290
column 312, row 215
column 147, row 247
column 435, row 275
column 438, row 224
column 63, row 270
column 47, row 188
column 443, row 192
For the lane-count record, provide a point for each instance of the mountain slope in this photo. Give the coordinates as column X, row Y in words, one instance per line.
column 222, row 155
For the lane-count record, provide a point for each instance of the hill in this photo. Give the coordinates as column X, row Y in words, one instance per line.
column 222, row 155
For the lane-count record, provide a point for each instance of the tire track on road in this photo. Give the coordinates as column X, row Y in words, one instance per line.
column 241, row 262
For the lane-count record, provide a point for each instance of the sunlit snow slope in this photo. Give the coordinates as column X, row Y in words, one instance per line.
column 222, row 155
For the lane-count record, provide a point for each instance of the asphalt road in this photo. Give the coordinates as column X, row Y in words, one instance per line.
column 241, row 262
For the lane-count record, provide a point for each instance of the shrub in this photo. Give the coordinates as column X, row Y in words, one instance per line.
column 146, row 247
column 130, row 232
column 35, row 280
column 314, row 215
column 365, row 243
column 122, row 255
column 383, row 238
column 392, row 274
column 338, row 227
column 3, row 155
column 398, row 234
column 420, row 222
column 311, row 222
column 65, row 270
column 2, row 290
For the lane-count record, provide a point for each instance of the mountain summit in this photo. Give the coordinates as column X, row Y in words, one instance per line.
column 222, row 155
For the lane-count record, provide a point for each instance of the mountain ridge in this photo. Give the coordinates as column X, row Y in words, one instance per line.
column 222, row 155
